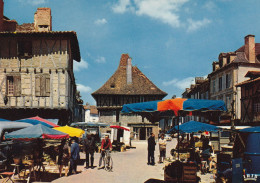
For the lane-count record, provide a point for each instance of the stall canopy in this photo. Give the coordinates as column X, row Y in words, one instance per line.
column 36, row 131
column 175, row 105
column 251, row 130
column 73, row 132
column 119, row 127
column 193, row 127
column 91, row 124
column 38, row 120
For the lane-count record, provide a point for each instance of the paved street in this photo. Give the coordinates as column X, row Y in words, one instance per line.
column 129, row 167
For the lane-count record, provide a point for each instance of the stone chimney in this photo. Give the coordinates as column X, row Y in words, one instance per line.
column 43, row 20
column 250, row 48
column 1, row 15
column 129, row 71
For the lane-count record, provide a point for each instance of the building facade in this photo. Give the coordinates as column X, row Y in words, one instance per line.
column 36, row 70
column 91, row 114
column 127, row 85
column 230, row 70
column 250, row 99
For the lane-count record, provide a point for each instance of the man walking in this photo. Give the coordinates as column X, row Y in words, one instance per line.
column 89, row 147
column 74, row 156
column 151, row 148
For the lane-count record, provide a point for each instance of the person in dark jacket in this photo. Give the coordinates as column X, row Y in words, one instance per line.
column 151, row 148
column 89, row 147
column 74, row 156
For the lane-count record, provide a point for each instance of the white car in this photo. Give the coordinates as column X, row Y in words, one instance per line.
column 168, row 137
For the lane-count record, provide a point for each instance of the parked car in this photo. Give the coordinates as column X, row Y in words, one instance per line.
column 168, row 137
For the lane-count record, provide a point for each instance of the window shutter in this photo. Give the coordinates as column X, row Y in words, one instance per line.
column 47, row 85
column 37, row 86
column 42, row 85
column 17, row 85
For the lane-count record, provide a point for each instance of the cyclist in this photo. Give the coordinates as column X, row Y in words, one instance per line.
column 105, row 147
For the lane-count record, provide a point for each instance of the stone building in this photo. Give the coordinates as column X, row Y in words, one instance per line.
column 250, row 99
column 127, row 85
column 229, row 70
column 91, row 113
column 36, row 70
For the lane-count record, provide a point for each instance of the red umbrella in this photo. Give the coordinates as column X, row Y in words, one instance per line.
column 119, row 127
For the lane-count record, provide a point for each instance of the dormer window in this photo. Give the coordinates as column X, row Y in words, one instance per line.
column 112, row 86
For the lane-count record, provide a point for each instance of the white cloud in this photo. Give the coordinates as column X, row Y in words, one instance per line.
column 101, row 60
column 122, row 6
column 101, row 21
column 33, row 2
column 163, row 10
column 180, row 84
column 83, row 89
column 80, row 65
column 195, row 25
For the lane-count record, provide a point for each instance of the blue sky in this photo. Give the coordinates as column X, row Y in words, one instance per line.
column 170, row 41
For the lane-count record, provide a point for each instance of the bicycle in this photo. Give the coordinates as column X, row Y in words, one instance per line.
column 108, row 161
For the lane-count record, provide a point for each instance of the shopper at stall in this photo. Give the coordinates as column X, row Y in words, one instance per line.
column 64, row 157
column 162, row 148
column 151, row 148
column 89, row 148
column 74, row 156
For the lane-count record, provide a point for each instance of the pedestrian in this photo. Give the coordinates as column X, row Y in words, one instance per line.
column 105, row 146
column 151, row 148
column 162, row 148
column 89, row 148
column 64, row 157
column 74, row 156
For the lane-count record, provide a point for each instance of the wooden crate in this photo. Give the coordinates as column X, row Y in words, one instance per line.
column 189, row 173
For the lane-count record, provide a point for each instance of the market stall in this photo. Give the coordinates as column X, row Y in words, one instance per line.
column 32, row 146
column 156, row 110
column 120, row 137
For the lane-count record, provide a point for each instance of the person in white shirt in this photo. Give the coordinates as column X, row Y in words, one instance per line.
column 162, row 148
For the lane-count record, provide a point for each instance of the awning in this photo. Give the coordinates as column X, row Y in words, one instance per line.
column 119, row 127
column 193, row 127
column 175, row 105
column 72, row 132
column 36, row 131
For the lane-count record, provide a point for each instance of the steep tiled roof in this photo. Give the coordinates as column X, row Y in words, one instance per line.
column 117, row 83
column 257, row 48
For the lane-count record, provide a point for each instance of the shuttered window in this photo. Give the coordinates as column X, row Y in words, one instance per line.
column 42, row 85
column 13, row 85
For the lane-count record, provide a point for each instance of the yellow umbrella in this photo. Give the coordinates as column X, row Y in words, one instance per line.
column 73, row 132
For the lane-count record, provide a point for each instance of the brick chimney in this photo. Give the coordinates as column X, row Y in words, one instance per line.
column 1, row 15
column 43, row 20
column 250, row 48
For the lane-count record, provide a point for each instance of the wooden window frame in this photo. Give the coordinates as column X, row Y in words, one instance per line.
column 15, row 86
column 42, row 85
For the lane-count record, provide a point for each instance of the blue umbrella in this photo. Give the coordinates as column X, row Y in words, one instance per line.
column 251, row 130
column 36, row 131
column 193, row 127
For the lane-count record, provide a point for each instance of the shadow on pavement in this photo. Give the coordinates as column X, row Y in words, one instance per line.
column 155, row 181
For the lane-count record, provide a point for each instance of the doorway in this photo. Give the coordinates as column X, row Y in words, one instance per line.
column 142, row 133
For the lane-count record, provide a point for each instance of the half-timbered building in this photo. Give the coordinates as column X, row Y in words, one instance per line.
column 36, row 70
column 250, row 99
column 127, row 85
